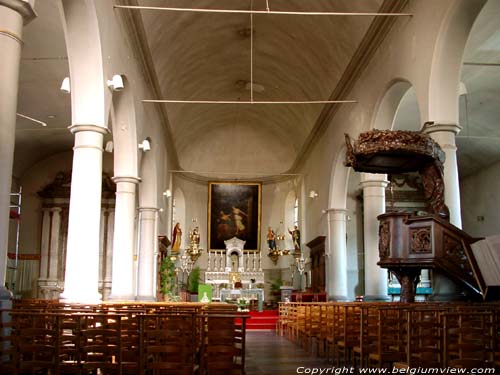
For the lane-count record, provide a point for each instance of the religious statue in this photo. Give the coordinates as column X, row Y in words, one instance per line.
column 194, row 236
column 176, row 238
column 295, row 233
column 271, row 239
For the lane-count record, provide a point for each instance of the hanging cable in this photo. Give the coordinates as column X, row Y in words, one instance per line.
column 251, row 52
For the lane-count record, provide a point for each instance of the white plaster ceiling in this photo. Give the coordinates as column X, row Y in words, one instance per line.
column 207, row 57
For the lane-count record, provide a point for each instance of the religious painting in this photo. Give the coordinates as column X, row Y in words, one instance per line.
column 234, row 211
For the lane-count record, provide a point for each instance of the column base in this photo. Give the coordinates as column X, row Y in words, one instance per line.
column 5, row 294
column 49, row 289
column 338, row 298
column 94, row 298
column 123, row 298
column 145, row 299
column 376, row 298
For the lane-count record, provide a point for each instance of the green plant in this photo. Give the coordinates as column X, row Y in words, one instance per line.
column 167, row 278
column 194, row 280
column 276, row 284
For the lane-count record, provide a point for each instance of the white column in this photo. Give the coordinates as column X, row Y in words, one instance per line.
column 444, row 135
column 82, row 259
column 373, row 205
column 55, row 229
column 425, row 280
column 44, row 245
column 122, row 273
column 12, row 15
column 146, row 289
column 107, row 257
column 337, row 260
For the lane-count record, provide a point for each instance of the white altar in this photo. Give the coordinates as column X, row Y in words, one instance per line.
column 249, row 294
column 224, row 265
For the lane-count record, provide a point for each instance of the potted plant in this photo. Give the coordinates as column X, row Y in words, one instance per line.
column 193, row 282
column 167, row 278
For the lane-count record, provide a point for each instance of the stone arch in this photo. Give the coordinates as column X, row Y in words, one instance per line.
column 89, row 94
column 444, row 81
column 389, row 103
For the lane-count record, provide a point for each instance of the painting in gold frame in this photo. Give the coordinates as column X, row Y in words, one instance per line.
column 234, row 210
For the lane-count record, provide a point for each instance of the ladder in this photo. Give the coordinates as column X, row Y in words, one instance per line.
column 15, row 214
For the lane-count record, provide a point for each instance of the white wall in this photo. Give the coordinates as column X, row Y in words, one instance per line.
column 35, row 179
column 480, row 199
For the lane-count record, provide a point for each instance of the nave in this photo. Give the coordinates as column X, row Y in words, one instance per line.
column 269, row 353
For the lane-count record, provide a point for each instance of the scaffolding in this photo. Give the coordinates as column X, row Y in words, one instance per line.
column 15, row 214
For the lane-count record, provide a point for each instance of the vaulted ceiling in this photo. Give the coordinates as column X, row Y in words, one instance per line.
column 208, row 57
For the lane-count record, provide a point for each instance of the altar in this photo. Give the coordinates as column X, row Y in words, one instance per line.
column 233, row 266
column 248, row 294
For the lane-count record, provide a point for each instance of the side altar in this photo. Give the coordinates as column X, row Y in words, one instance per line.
column 233, row 267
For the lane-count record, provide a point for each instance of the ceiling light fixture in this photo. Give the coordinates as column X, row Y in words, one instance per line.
column 109, row 146
column 66, row 85
column 116, row 83
column 145, row 145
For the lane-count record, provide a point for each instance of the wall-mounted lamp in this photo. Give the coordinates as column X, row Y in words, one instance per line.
column 313, row 194
column 109, row 146
column 116, row 83
column 66, row 85
column 167, row 193
column 145, row 145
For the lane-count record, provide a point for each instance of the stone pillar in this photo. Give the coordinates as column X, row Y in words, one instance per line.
column 146, row 289
column 44, row 245
column 425, row 280
column 373, row 205
column 122, row 287
column 13, row 13
column 444, row 135
column 55, row 229
column 337, row 260
column 48, row 283
column 108, row 216
column 82, row 259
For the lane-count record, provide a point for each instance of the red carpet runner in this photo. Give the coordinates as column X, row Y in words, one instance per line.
column 262, row 320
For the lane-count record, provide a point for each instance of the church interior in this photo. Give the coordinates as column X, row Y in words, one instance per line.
column 192, row 186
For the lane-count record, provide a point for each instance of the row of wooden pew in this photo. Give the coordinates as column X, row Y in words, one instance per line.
column 379, row 334
column 42, row 337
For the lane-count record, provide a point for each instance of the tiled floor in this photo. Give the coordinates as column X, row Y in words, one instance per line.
column 268, row 353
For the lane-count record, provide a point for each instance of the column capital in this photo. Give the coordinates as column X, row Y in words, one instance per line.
column 24, row 8
column 130, row 179
column 382, row 183
column 75, row 128
column 148, row 209
column 431, row 127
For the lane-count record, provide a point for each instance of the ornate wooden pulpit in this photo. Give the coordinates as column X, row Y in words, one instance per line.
column 411, row 242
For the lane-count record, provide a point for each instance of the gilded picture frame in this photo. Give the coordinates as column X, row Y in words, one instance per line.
column 234, row 210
